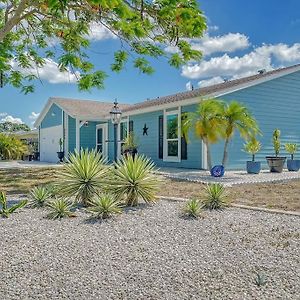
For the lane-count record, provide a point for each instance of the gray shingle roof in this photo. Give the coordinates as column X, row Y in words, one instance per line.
column 201, row 92
column 89, row 108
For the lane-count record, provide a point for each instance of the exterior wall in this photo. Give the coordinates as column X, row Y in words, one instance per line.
column 88, row 135
column 149, row 144
column 275, row 104
column 71, row 133
column 54, row 117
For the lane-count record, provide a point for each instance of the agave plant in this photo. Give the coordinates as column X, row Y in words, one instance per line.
column 83, row 176
column 134, row 180
column 104, row 206
column 60, row 208
column 39, row 196
column 193, row 208
column 216, row 196
column 5, row 211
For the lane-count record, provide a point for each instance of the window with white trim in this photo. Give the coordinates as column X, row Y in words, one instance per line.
column 172, row 138
column 122, row 134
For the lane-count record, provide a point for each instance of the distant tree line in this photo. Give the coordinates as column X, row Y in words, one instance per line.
column 13, row 127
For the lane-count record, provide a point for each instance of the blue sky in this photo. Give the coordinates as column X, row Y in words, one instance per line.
column 243, row 37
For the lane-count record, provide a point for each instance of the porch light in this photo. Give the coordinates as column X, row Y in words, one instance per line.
column 115, row 113
column 115, row 116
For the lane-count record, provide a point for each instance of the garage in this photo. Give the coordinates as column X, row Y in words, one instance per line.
column 49, row 143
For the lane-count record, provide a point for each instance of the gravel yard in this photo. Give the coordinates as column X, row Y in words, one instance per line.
column 150, row 253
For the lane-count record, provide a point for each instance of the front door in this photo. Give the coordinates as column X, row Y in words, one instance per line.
column 101, row 139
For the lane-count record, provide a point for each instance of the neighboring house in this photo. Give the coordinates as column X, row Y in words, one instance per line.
column 273, row 98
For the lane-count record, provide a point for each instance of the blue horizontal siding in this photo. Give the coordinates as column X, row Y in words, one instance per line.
column 148, row 144
column 53, row 117
column 71, row 134
column 274, row 104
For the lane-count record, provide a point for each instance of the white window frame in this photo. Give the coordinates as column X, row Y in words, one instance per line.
column 104, row 138
column 124, row 120
column 167, row 158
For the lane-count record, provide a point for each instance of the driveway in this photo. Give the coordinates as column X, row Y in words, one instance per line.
column 18, row 164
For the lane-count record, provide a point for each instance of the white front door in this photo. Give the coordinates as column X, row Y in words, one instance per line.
column 101, row 139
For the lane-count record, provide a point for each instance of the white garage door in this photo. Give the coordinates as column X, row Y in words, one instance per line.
column 49, row 143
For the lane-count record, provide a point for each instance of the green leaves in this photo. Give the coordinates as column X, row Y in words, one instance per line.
column 133, row 179
column 6, row 210
column 144, row 28
column 83, row 176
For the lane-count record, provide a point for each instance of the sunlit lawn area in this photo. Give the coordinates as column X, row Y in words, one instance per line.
column 281, row 195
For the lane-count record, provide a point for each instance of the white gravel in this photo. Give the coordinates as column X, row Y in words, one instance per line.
column 230, row 178
column 150, row 253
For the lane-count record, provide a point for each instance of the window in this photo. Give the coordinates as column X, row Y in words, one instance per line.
column 122, row 134
column 172, row 136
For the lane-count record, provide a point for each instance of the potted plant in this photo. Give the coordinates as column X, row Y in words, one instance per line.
column 130, row 145
column 60, row 153
column 252, row 147
column 292, row 164
column 276, row 162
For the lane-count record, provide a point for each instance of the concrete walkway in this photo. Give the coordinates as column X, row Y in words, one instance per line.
column 19, row 164
column 230, row 177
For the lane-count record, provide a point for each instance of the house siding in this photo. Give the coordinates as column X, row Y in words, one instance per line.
column 72, row 133
column 274, row 104
column 53, row 117
column 88, row 136
column 149, row 144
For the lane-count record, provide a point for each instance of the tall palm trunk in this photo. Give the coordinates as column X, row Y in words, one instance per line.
column 225, row 153
column 208, row 154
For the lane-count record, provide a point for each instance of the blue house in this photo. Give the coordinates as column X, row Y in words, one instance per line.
column 273, row 98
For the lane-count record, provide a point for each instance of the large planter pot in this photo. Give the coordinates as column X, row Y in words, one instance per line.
column 253, row 167
column 131, row 152
column 36, row 155
column 275, row 163
column 61, row 155
column 293, row 165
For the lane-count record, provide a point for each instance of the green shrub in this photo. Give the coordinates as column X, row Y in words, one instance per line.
column 193, row 208
column 216, row 196
column 252, row 147
column 104, row 206
column 60, row 208
column 134, row 180
column 83, row 176
column 39, row 196
column 291, row 149
column 276, row 141
column 11, row 147
column 5, row 211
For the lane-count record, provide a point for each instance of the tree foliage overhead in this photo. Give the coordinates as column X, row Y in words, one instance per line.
column 144, row 28
column 13, row 127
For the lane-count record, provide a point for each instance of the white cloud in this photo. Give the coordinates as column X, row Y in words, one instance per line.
column 211, row 81
column 98, row 32
column 33, row 115
column 216, row 44
column 11, row 119
column 227, row 66
column 3, row 114
column 50, row 72
column 226, row 43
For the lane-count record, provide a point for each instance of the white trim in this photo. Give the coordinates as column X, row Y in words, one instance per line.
column 104, row 138
column 66, row 134
column 167, row 158
column 123, row 120
column 77, row 134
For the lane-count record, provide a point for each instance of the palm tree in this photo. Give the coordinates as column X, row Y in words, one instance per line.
column 237, row 117
column 207, row 123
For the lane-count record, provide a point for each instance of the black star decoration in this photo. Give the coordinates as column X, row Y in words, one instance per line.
column 145, row 130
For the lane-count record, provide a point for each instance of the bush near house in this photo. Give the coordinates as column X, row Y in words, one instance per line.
column 11, row 147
